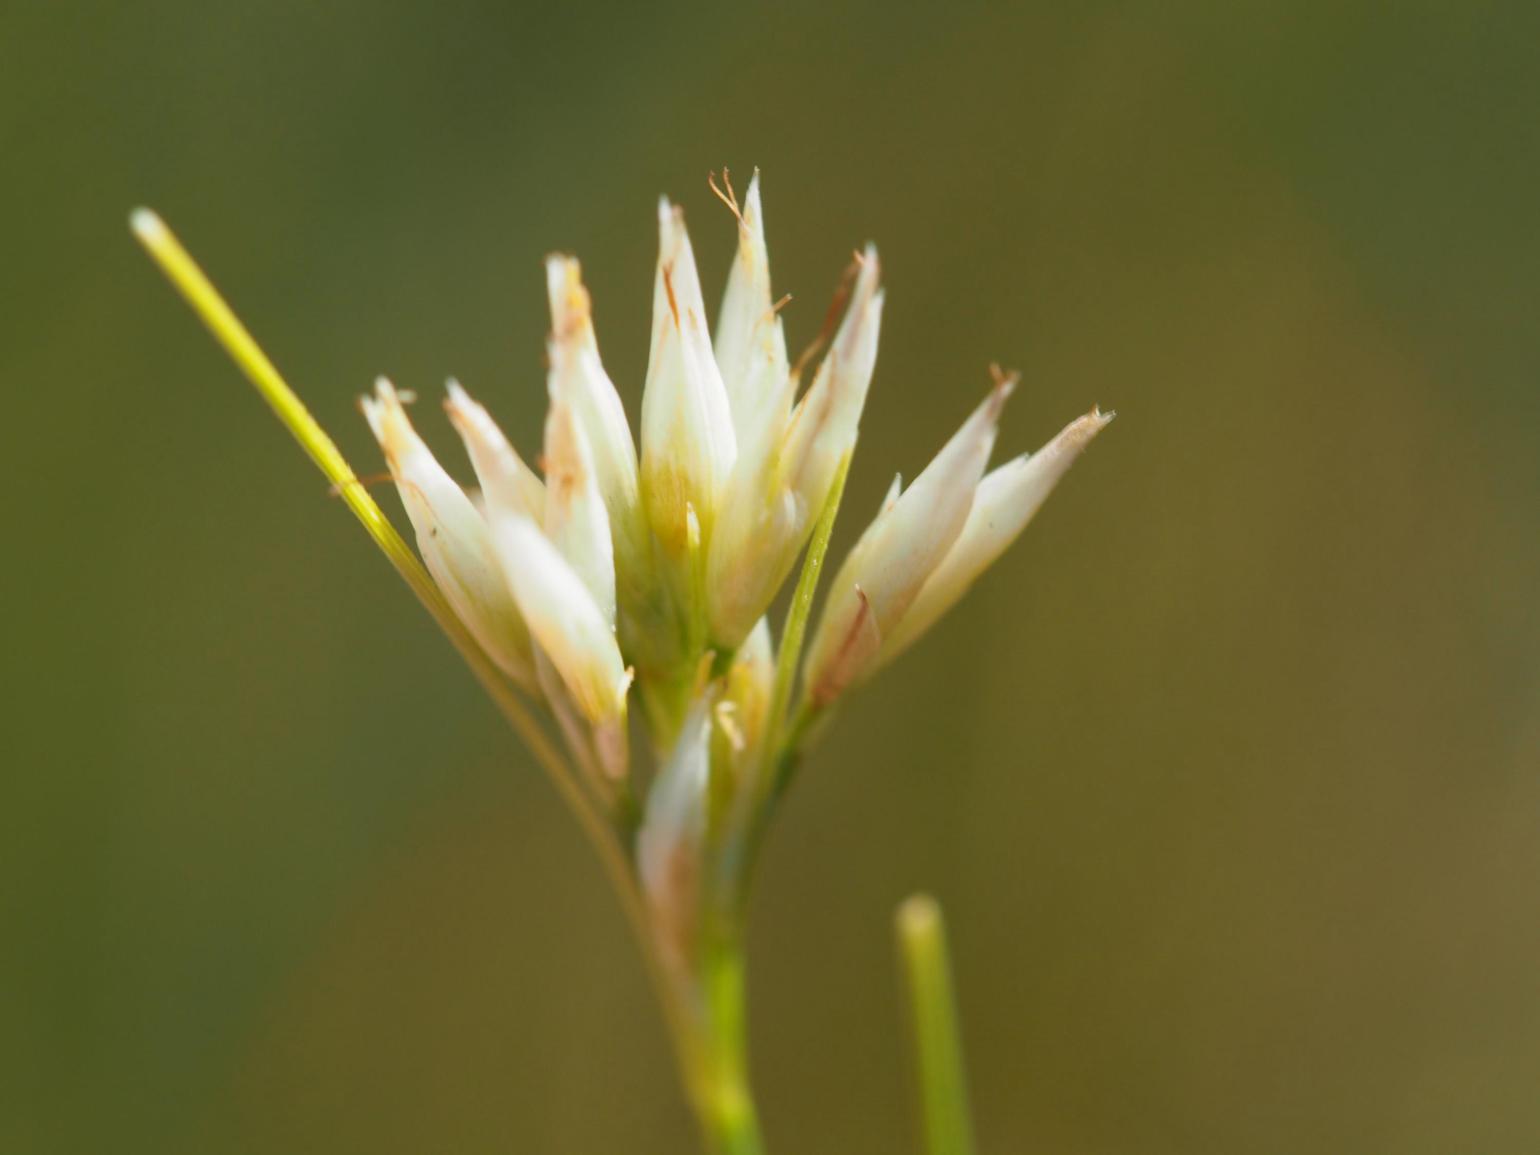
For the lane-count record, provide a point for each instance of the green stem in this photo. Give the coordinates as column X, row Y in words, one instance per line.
column 729, row 1118
column 801, row 610
column 781, row 748
column 938, row 1048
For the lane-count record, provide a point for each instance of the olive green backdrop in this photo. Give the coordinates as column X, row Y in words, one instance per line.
column 1227, row 775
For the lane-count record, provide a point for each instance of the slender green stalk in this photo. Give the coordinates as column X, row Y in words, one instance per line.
column 779, row 751
column 797, row 616
column 938, row 1049
column 724, row 1100
column 728, row 1113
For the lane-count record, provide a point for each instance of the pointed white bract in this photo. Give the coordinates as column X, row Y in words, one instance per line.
column 563, row 617
column 452, row 537
column 784, row 474
column 577, row 377
column 669, row 842
column 508, row 486
column 575, row 517
column 826, row 421
column 688, row 443
column 750, row 344
column 1005, row 501
column 897, row 553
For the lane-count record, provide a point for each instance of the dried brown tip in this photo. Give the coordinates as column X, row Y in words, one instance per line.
column 831, row 319
column 576, row 306
column 1005, row 384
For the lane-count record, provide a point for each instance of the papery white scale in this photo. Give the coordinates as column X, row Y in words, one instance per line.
column 563, row 617
column 575, row 517
column 573, row 626
column 784, row 475
column 669, row 842
column 1004, row 502
column 578, row 378
column 688, row 442
column 892, row 560
column 452, row 535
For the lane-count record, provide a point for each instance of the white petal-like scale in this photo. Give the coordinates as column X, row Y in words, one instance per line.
column 688, row 443
column 507, row 484
column 452, row 537
column 781, row 480
column 669, row 841
column 827, row 419
column 897, row 553
column 750, row 343
column 578, row 377
column 1005, row 501
column 575, row 517
column 563, row 617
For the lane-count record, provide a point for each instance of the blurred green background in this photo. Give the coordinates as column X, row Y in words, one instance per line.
column 1227, row 775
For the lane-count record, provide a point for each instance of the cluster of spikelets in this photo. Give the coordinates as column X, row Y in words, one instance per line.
column 646, row 575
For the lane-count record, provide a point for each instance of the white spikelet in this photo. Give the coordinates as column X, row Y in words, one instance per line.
column 782, row 479
column 578, row 378
column 897, row 553
column 563, row 617
column 688, row 443
column 575, row 516
column 750, row 343
column 452, row 537
column 1005, row 501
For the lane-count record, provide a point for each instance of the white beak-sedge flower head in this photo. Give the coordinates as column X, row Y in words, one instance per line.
column 663, row 558
column 1006, row 500
column 666, row 562
column 688, row 443
column 892, row 560
column 452, row 536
